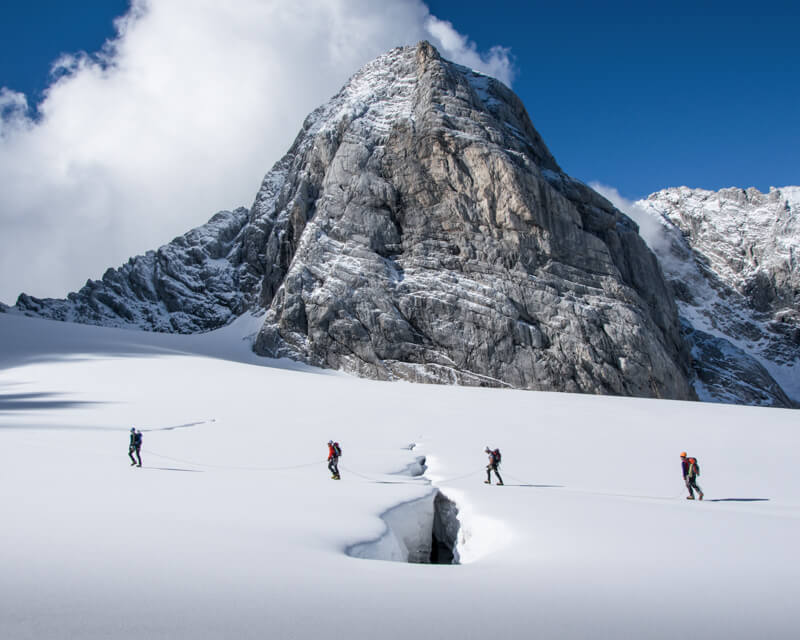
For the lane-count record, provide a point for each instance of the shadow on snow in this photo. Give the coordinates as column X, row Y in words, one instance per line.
column 738, row 500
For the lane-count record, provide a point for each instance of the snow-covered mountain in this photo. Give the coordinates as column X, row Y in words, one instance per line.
column 733, row 259
column 419, row 228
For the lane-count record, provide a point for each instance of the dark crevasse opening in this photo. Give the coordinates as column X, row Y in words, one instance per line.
column 444, row 533
column 422, row 531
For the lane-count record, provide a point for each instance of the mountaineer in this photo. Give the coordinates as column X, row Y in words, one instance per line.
column 690, row 472
column 135, row 446
column 494, row 462
column 334, row 451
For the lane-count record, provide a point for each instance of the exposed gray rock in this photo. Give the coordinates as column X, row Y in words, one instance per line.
column 419, row 228
column 191, row 284
column 728, row 374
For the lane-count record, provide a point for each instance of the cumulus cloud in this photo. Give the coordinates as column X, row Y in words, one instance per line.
column 497, row 62
column 180, row 115
column 13, row 111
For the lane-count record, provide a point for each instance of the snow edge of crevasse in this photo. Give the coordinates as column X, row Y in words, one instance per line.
column 437, row 528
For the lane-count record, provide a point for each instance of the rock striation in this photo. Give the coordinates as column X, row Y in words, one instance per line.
column 732, row 258
column 420, row 229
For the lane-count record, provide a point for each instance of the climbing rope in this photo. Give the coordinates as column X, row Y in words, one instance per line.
column 461, row 477
column 366, row 477
column 596, row 493
column 624, row 495
column 522, row 482
column 229, row 467
column 421, row 477
column 376, row 480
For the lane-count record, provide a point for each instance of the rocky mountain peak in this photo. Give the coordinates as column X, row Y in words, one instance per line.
column 419, row 228
column 430, row 235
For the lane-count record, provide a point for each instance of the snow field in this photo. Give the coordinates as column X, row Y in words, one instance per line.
column 591, row 537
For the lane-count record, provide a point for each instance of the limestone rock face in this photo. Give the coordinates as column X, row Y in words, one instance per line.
column 727, row 373
column 419, row 228
column 732, row 259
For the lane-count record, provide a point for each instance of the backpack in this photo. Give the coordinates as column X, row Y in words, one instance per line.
column 337, row 449
column 138, row 439
column 693, row 463
column 496, row 455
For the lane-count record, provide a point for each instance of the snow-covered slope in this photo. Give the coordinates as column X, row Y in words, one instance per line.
column 733, row 259
column 234, row 528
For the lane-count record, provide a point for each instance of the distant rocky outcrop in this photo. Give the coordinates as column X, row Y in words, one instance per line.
column 191, row 284
column 420, row 229
column 726, row 373
column 732, row 258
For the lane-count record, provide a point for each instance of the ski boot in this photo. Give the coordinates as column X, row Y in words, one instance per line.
column 690, row 497
column 500, row 484
column 700, row 496
column 487, row 482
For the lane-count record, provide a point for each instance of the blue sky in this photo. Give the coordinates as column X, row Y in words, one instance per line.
column 647, row 95
column 34, row 34
column 635, row 95
column 202, row 97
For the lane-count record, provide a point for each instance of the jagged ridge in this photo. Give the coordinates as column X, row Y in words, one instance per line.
column 191, row 284
column 732, row 259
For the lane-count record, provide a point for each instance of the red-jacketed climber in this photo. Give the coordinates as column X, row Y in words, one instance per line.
column 334, row 451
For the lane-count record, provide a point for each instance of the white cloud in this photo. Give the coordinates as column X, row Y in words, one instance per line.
column 497, row 62
column 650, row 227
column 13, row 111
column 179, row 116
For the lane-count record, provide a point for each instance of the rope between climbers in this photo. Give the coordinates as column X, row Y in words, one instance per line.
column 232, row 468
